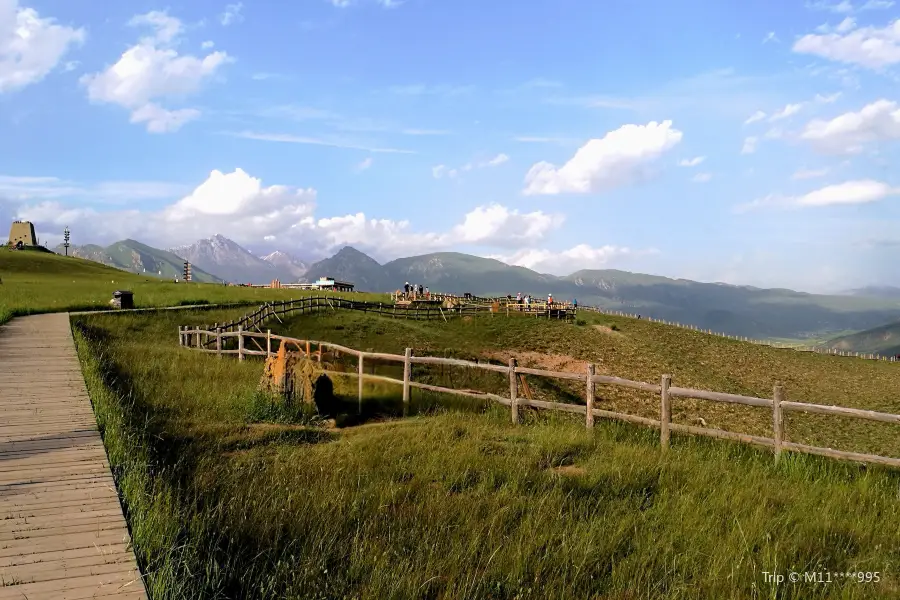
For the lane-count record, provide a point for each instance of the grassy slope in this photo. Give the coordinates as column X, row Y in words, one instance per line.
column 460, row 503
column 44, row 282
column 643, row 351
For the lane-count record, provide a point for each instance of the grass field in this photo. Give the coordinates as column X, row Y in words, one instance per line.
column 45, row 282
column 229, row 497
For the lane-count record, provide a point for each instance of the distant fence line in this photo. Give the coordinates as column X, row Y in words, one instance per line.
column 589, row 378
column 796, row 347
column 480, row 304
column 277, row 309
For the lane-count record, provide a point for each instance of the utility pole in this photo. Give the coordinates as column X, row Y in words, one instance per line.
column 187, row 271
column 66, row 239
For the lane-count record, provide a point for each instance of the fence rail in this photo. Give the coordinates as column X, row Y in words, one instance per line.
column 589, row 378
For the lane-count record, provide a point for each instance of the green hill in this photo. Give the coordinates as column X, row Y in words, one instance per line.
column 135, row 257
column 46, row 282
column 884, row 340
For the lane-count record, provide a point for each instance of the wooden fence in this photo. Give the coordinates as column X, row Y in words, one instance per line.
column 665, row 390
column 275, row 310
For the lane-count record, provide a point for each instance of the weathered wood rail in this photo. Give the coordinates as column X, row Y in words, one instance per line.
column 665, row 390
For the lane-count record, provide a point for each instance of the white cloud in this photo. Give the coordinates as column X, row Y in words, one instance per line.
column 877, row 4
column 619, row 158
column 842, row 7
column 499, row 226
column 30, row 188
column 30, row 46
column 770, row 37
column 870, row 47
column 860, row 191
column 240, row 207
column 691, row 162
column 496, row 161
column 444, row 171
column 757, row 116
column 809, row 173
column 208, row 44
column 828, row 99
column 534, row 139
column 232, row 14
column 749, row 146
column 382, row 3
column 288, row 138
column 425, row 132
column 847, row 133
column 568, row 261
column 787, row 111
column 365, row 164
column 153, row 70
column 701, row 177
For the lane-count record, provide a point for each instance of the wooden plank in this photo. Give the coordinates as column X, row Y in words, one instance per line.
column 840, row 454
column 720, row 397
column 855, row 413
column 62, row 532
column 725, row 435
column 434, row 360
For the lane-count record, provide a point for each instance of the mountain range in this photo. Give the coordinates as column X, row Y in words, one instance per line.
column 133, row 256
column 737, row 310
column 233, row 263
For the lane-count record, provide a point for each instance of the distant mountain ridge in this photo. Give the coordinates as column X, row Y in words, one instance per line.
column 135, row 257
column 737, row 310
column 236, row 264
column 876, row 291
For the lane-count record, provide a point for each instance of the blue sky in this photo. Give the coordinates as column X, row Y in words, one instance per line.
column 751, row 143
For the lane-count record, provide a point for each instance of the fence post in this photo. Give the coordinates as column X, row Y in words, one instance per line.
column 198, row 340
column 778, row 419
column 589, row 396
column 513, row 391
column 665, row 411
column 181, row 335
column 360, row 388
column 407, row 368
column 218, row 341
column 268, row 343
column 240, row 337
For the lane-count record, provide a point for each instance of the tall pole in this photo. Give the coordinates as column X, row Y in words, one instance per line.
column 66, row 239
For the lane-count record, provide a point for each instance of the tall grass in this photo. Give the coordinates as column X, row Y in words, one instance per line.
column 230, row 501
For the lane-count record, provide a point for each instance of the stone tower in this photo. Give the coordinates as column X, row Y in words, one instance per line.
column 21, row 234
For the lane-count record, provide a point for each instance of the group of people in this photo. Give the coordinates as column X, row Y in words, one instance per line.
column 415, row 290
column 527, row 299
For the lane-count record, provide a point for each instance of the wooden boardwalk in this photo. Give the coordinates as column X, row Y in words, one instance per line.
column 62, row 533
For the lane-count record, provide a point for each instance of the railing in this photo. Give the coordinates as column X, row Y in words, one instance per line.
column 589, row 378
column 275, row 310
